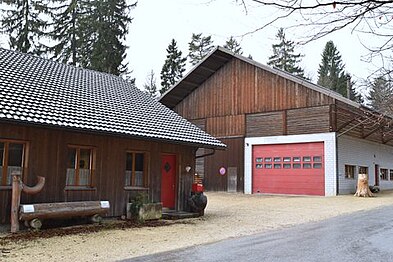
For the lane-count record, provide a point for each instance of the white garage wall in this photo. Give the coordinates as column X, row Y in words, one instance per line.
column 329, row 140
column 360, row 152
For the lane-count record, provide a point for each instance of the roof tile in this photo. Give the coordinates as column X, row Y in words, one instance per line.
column 39, row 91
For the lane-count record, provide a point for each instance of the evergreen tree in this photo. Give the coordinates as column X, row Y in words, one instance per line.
column 72, row 31
column 199, row 47
column 111, row 19
column 331, row 72
column 232, row 45
column 381, row 95
column 128, row 76
column 21, row 21
column 150, row 87
column 173, row 67
column 284, row 57
column 90, row 33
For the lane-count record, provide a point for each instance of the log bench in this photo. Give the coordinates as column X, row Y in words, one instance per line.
column 34, row 214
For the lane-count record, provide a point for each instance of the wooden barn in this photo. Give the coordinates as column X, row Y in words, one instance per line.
column 92, row 135
column 285, row 135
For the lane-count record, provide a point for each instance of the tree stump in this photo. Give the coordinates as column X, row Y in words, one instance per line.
column 363, row 189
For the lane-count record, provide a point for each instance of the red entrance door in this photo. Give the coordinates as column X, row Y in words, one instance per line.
column 168, row 179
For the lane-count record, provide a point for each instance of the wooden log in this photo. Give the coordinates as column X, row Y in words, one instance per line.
column 63, row 210
column 96, row 219
column 35, row 223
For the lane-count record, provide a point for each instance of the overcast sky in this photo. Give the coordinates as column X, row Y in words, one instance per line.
column 157, row 22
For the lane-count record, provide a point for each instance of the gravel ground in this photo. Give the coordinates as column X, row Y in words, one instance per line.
column 226, row 216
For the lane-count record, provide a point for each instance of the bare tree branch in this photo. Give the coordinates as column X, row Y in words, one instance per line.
column 316, row 18
column 330, row 16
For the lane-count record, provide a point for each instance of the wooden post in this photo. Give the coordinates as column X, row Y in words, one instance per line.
column 16, row 190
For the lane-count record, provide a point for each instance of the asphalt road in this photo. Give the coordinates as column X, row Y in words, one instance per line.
column 363, row 236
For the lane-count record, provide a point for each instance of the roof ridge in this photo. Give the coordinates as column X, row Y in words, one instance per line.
column 50, row 60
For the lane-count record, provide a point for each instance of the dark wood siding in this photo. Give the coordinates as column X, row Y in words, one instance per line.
column 226, row 126
column 232, row 157
column 289, row 122
column 241, row 88
column 5, row 206
column 265, row 124
column 47, row 157
column 308, row 120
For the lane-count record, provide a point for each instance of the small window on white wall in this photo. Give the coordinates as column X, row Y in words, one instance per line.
column 384, row 174
column 350, row 171
column 363, row 170
column 391, row 174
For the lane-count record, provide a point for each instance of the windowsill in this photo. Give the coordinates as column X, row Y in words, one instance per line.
column 5, row 187
column 79, row 188
column 136, row 188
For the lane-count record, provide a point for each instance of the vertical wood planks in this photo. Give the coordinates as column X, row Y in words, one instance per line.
column 48, row 158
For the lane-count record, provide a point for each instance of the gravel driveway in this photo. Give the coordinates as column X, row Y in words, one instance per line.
column 227, row 215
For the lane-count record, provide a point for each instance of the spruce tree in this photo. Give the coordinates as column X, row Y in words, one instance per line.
column 71, row 31
column 331, row 72
column 110, row 21
column 22, row 23
column 381, row 95
column 150, row 87
column 173, row 67
column 199, row 47
column 284, row 57
column 232, row 45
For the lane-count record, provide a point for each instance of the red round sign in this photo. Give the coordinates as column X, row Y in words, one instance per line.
column 222, row 171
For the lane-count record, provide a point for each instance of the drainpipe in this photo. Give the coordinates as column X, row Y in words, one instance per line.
column 207, row 154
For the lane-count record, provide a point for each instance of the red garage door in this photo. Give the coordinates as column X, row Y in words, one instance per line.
column 289, row 169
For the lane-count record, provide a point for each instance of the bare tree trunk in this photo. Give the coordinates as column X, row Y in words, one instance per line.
column 363, row 189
